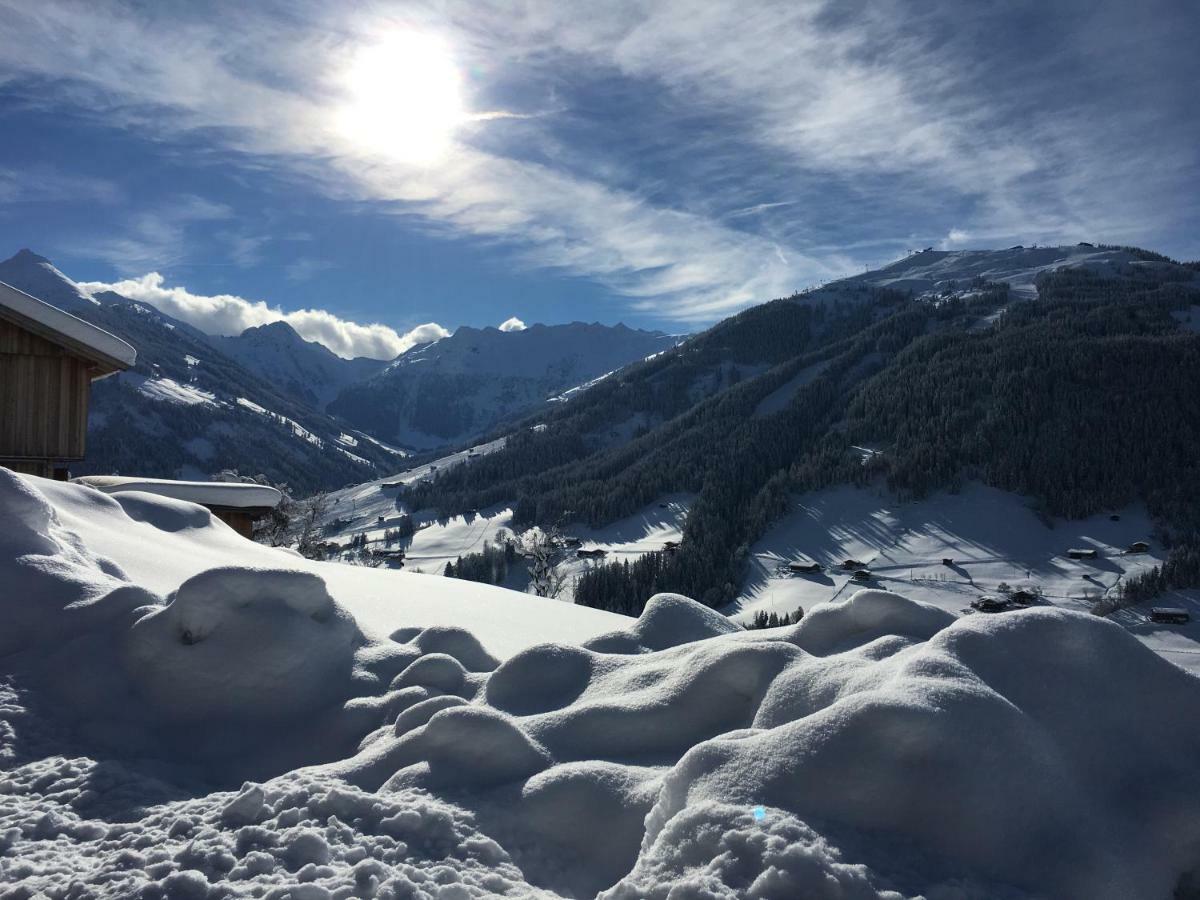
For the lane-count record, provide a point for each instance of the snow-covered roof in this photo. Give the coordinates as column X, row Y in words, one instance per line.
column 206, row 493
column 109, row 352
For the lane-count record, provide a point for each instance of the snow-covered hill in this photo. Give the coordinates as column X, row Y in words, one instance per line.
column 411, row 736
column 189, row 410
column 933, row 272
column 457, row 388
column 307, row 371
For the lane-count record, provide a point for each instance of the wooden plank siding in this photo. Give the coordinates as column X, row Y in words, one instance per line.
column 44, row 392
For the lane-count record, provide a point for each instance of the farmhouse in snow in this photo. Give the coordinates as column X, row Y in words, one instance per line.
column 237, row 505
column 48, row 361
column 1077, row 553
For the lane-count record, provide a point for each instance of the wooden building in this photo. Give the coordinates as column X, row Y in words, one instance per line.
column 48, row 361
column 238, row 505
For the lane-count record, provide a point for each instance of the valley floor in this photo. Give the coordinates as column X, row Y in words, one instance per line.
column 990, row 538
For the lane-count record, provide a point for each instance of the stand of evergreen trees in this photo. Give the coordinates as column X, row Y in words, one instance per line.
column 1181, row 569
column 1084, row 399
column 763, row 619
column 489, row 566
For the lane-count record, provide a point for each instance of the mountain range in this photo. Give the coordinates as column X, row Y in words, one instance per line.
column 455, row 389
column 269, row 402
column 1064, row 374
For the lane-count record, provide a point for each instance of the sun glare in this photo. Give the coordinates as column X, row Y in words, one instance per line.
column 403, row 98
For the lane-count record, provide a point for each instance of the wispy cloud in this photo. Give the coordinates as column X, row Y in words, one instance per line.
column 868, row 128
column 146, row 238
column 227, row 314
column 40, row 184
column 305, row 268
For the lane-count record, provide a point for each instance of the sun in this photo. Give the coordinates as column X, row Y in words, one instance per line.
column 403, row 98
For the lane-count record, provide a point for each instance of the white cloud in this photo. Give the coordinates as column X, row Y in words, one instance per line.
column 956, row 237
column 228, row 314
column 512, row 324
column 42, row 184
column 821, row 95
column 151, row 237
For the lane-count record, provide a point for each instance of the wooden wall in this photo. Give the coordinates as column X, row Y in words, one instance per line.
column 44, row 393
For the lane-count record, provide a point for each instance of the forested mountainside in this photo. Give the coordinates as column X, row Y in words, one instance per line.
column 188, row 410
column 457, row 388
column 1083, row 398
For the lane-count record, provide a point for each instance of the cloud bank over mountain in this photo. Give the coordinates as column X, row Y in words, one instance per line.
column 228, row 314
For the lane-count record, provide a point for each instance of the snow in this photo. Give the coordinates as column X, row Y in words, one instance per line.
column 187, row 714
column 934, row 271
column 779, row 398
column 993, row 537
column 208, row 493
column 56, row 320
column 168, row 390
column 361, row 505
column 294, row 427
column 580, row 388
column 188, row 540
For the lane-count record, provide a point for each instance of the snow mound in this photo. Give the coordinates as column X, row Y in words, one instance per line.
column 865, row 616
column 720, row 852
column 878, row 748
column 667, row 621
column 293, row 838
column 243, row 642
column 210, row 493
column 51, row 586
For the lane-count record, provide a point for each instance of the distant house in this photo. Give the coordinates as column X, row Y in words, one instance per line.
column 1077, row 553
column 801, row 568
column 1169, row 615
column 591, row 554
column 989, row 604
column 1138, row 547
column 48, row 361
column 395, row 558
column 236, row 504
column 1022, row 597
column 853, row 564
column 861, row 575
column 670, row 546
column 947, row 560
column 571, row 542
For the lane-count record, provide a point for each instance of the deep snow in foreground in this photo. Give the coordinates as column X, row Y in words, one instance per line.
column 881, row 747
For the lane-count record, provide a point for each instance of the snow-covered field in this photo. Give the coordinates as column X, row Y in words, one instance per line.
column 439, row 540
column 991, row 536
column 406, row 736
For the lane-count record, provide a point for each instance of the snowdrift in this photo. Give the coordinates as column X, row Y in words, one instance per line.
column 880, row 747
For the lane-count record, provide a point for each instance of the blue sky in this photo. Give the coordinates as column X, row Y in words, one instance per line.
column 662, row 163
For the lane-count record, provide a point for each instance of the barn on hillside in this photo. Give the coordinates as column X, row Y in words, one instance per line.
column 48, row 361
